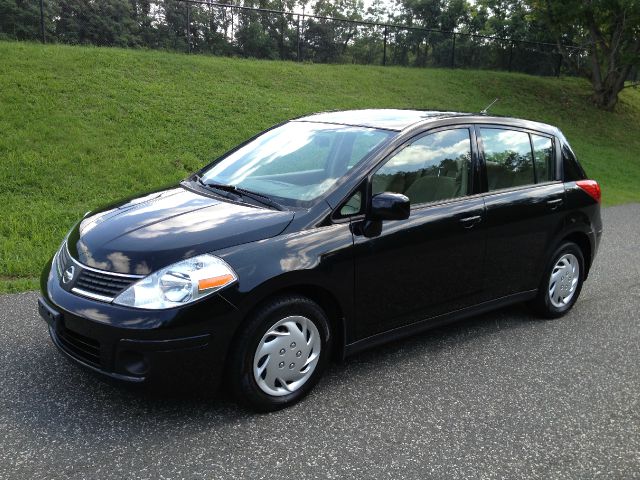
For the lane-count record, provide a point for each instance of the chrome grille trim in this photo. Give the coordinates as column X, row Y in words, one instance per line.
column 92, row 295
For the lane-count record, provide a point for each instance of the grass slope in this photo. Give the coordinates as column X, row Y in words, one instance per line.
column 81, row 126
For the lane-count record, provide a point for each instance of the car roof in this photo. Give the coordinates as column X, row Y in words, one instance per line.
column 398, row 119
column 386, row 118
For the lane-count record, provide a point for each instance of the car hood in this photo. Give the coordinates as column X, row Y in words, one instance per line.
column 144, row 234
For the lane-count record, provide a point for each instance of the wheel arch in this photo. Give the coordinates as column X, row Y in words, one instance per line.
column 582, row 240
column 320, row 295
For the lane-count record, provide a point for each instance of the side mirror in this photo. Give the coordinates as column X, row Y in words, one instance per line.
column 389, row 206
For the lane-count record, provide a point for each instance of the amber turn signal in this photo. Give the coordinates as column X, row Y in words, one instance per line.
column 213, row 282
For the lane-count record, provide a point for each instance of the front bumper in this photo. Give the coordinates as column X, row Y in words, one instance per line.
column 139, row 346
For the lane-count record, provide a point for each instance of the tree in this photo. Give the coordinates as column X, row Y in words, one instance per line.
column 19, row 20
column 610, row 30
column 328, row 40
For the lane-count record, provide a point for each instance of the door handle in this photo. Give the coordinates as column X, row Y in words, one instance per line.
column 555, row 203
column 470, row 222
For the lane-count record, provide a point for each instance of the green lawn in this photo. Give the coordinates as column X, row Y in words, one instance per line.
column 81, row 126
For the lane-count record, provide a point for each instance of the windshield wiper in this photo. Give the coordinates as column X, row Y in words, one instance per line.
column 259, row 197
column 224, row 191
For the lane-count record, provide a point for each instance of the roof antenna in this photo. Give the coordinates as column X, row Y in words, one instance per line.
column 484, row 112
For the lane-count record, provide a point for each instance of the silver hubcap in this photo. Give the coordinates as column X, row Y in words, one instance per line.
column 564, row 280
column 286, row 356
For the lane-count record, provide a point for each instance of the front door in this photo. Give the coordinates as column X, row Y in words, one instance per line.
column 431, row 263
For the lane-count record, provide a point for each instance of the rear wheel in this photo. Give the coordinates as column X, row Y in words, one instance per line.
column 561, row 283
column 281, row 354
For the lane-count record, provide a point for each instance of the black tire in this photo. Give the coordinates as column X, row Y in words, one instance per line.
column 542, row 304
column 241, row 379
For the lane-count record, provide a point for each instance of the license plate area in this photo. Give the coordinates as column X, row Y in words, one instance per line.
column 51, row 316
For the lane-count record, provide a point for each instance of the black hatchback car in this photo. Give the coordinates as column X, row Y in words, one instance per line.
column 318, row 238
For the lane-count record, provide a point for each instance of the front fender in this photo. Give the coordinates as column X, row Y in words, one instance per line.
column 318, row 258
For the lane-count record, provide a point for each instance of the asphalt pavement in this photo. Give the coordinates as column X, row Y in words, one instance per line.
column 502, row 395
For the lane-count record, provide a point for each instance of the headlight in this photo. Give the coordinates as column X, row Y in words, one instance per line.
column 179, row 284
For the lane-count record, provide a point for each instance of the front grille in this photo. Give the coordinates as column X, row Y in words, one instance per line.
column 102, row 283
column 85, row 348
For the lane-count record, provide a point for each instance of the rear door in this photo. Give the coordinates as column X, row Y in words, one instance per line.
column 431, row 263
column 524, row 204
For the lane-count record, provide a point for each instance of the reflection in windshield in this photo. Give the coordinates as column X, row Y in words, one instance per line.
column 297, row 161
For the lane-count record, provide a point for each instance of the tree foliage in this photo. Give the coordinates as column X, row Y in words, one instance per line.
column 609, row 29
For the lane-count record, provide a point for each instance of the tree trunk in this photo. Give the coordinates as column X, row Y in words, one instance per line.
column 605, row 92
column 605, row 99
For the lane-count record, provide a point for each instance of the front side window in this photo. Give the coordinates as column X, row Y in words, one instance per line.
column 432, row 168
column 507, row 157
column 296, row 162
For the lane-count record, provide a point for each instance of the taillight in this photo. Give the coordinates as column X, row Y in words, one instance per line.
column 592, row 188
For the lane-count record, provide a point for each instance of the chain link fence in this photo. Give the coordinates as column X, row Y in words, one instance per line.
column 208, row 27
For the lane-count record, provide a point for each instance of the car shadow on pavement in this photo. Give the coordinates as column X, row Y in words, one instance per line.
column 430, row 342
column 58, row 379
column 59, row 400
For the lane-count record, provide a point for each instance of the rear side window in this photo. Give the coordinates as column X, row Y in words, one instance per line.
column 432, row 168
column 508, row 158
column 543, row 155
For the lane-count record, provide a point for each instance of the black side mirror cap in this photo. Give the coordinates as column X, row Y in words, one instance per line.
column 389, row 206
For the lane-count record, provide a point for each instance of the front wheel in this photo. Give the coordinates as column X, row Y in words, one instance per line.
column 561, row 282
column 281, row 353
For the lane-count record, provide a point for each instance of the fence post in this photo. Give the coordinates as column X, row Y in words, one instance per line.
column 510, row 54
column 282, row 27
column 559, row 65
column 188, row 28
column 300, row 33
column 42, row 21
column 298, row 37
column 453, row 51
column 384, row 50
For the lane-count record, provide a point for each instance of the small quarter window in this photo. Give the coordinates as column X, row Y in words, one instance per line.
column 572, row 170
column 353, row 206
column 543, row 155
column 508, row 158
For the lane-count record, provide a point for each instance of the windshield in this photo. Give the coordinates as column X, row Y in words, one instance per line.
column 298, row 161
